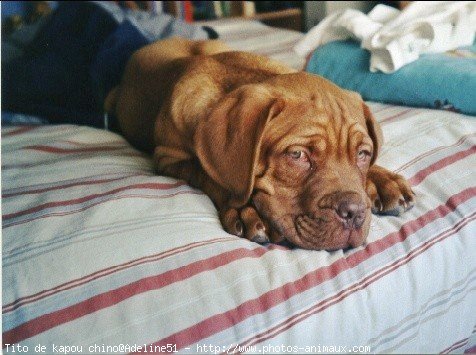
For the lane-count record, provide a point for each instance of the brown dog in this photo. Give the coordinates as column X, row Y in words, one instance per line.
column 282, row 154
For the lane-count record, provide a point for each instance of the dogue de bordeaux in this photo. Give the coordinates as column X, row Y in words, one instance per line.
column 286, row 156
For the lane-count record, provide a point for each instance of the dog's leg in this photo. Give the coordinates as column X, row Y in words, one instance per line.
column 390, row 193
column 242, row 222
column 245, row 222
column 191, row 171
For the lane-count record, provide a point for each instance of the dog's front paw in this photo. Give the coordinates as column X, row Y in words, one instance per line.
column 389, row 193
column 244, row 223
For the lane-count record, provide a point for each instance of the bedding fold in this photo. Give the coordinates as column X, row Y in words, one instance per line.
column 395, row 39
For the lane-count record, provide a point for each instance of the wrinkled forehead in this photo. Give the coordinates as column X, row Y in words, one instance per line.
column 324, row 94
column 307, row 124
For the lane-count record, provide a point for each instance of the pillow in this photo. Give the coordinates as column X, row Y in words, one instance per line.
column 440, row 80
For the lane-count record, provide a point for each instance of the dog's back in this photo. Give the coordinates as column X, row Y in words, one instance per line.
column 190, row 75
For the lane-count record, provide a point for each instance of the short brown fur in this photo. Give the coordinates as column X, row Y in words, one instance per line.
column 282, row 154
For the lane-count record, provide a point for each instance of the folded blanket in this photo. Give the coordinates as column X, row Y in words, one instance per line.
column 78, row 56
column 396, row 38
column 443, row 80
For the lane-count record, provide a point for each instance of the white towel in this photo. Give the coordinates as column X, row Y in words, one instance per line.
column 396, row 38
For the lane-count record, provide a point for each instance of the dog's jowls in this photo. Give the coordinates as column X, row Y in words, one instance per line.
column 282, row 154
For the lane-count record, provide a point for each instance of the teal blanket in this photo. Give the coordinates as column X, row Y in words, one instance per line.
column 442, row 80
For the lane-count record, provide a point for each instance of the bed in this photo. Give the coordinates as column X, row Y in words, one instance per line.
column 102, row 255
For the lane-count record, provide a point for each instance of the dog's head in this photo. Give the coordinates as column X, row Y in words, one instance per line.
column 299, row 148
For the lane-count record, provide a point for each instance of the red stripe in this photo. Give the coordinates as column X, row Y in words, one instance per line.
column 57, row 150
column 106, row 272
column 400, row 114
column 65, row 186
column 63, row 158
column 7, row 225
column 150, row 186
column 107, row 299
column 382, row 108
column 362, row 284
column 432, row 151
column 455, row 346
column 82, row 144
column 423, row 174
column 270, row 299
column 20, row 130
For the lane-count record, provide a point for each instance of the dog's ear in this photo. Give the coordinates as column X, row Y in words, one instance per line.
column 374, row 130
column 228, row 142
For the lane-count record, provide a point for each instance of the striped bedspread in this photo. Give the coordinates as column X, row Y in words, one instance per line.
column 255, row 37
column 99, row 252
column 102, row 256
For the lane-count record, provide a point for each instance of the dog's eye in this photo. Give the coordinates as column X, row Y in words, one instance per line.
column 299, row 157
column 297, row 154
column 363, row 155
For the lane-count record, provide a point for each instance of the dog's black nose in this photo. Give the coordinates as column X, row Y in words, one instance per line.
column 352, row 213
